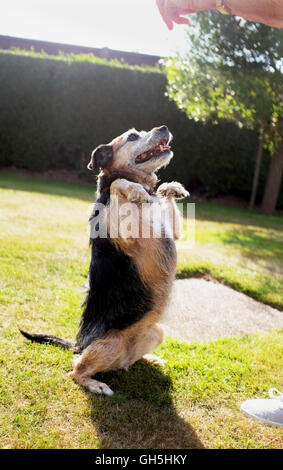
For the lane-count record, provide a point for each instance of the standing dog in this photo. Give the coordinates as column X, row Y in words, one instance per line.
column 130, row 276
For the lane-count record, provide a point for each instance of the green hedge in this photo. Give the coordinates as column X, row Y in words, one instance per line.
column 55, row 110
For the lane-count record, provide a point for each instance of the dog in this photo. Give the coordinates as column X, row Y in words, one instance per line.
column 130, row 276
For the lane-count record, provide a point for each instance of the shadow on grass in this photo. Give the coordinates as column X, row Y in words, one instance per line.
column 141, row 414
column 44, row 185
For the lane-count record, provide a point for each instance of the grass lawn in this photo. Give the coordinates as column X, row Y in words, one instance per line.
column 193, row 401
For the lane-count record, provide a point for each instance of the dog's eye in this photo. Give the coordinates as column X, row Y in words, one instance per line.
column 133, row 137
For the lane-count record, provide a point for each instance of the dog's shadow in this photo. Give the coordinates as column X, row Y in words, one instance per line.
column 141, row 414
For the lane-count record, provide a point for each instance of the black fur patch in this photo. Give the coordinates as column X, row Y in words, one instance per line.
column 101, row 157
column 117, row 296
column 41, row 338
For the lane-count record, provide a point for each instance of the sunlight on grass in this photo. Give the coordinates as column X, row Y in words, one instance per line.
column 192, row 402
column 246, row 254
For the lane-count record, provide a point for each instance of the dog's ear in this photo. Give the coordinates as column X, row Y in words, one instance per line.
column 101, row 157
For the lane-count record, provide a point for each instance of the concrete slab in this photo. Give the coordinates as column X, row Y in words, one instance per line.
column 204, row 310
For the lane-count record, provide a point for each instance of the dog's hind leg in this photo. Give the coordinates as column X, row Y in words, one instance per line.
column 101, row 355
column 147, row 342
column 154, row 339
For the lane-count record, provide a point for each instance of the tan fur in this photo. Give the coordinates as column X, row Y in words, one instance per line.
column 117, row 350
column 156, row 263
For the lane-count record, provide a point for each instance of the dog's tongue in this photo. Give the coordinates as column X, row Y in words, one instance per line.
column 158, row 148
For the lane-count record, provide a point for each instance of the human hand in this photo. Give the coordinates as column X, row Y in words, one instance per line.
column 261, row 11
column 172, row 11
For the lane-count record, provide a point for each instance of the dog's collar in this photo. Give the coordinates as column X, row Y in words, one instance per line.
column 104, row 190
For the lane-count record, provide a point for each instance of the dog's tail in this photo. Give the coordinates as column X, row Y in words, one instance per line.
column 40, row 338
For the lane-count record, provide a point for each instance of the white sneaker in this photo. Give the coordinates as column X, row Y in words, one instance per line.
column 267, row 410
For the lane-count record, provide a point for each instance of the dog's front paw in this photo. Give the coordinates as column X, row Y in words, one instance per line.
column 174, row 189
column 136, row 193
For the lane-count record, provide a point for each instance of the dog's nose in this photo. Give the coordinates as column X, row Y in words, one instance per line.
column 163, row 129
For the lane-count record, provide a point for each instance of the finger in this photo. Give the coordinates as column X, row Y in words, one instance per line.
column 173, row 12
column 169, row 24
column 162, row 10
column 180, row 20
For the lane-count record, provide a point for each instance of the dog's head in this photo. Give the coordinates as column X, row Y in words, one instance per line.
column 133, row 150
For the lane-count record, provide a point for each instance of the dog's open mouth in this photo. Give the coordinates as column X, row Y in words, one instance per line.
column 154, row 152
